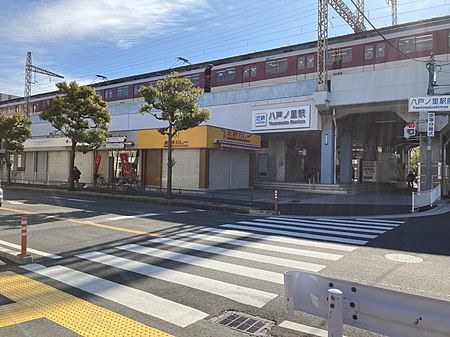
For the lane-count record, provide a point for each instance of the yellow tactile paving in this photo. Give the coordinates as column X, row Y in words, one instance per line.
column 69, row 311
column 16, row 313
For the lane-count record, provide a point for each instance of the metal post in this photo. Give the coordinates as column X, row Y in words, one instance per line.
column 23, row 241
column 335, row 313
column 431, row 65
column 275, row 201
column 412, row 202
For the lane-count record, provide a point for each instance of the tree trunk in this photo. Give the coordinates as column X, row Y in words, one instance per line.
column 8, row 167
column 169, row 165
column 71, row 166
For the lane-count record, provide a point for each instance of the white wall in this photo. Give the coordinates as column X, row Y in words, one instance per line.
column 85, row 163
column 58, row 165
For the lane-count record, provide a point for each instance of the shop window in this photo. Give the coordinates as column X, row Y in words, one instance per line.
column 310, row 61
column 380, row 50
column 249, row 71
column 108, row 94
column 122, row 91
column 407, row 45
column 346, row 55
column 225, row 75
column 301, row 62
column 424, row 42
column 262, row 164
column 279, row 66
column 368, row 52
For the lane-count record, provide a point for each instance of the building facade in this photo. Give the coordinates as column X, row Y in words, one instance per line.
column 288, row 131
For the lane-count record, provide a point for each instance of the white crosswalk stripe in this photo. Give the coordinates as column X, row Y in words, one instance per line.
column 239, row 262
column 237, row 293
column 308, row 229
column 242, row 255
column 125, row 217
column 382, row 221
column 138, row 300
column 207, row 263
column 336, row 223
column 295, row 234
column 257, row 245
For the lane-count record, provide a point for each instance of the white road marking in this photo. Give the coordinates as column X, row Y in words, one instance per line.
column 295, row 234
column 256, row 298
column 304, row 328
column 309, row 224
column 135, row 216
column 242, row 255
column 263, row 246
column 281, row 239
column 179, row 212
column 206, row 263
column 73, row 199
column 362, row 222
column 30, row 250
column 305, row 229
column 335, row 223
column 382, row 221
column 166, row 310
column 14, row 202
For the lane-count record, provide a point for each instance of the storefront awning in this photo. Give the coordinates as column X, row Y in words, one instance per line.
column 236, row 145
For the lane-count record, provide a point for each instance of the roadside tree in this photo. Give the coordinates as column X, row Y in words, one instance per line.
column 14, row 131
column 175, row 101
column 80, row 115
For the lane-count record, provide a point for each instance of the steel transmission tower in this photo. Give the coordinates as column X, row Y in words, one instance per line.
column 354, row 20
column 29, row 69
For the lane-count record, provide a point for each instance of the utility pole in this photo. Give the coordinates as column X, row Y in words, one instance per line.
column 29, row 69
column 431, row 66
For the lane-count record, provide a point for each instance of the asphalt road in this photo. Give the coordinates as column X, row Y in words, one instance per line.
column 177, row 269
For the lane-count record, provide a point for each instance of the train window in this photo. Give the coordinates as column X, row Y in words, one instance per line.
column 310, row 61
column 225, row 75
column 301, row 62
column 424, row 42
column 136, row 88
column 195, row 79
column 249, row 71
column 346, row 55
column 108, row 93
column 407, row 45
column 122, row 91
column 279, row 66
column 380, row 50
column 332, row 57
column 368, row 52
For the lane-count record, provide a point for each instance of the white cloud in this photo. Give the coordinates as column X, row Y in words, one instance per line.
column 123, row 21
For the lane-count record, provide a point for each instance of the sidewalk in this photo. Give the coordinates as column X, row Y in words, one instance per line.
column 368, row 200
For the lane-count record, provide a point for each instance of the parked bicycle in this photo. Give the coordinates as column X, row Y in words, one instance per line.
column 101, row 182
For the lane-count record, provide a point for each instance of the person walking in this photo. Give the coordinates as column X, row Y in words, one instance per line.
column 76, row 175
column 410, row 179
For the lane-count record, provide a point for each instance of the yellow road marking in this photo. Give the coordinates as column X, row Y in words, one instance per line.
column 73, row 313
column 16, row 313
column 85, row 222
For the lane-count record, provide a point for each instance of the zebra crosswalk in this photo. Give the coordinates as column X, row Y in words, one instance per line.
column 240, row 264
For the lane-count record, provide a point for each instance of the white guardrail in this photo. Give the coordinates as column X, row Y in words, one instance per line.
column 384, row 311
column 425, row 198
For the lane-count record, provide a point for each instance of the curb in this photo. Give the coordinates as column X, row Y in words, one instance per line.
column 138, row 198
column 12, row 256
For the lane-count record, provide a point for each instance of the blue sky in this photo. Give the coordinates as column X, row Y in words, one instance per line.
column 115, row 38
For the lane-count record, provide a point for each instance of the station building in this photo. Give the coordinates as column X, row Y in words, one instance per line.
column 269, row 124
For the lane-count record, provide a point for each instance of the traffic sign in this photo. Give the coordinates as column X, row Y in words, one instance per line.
column 116, row 139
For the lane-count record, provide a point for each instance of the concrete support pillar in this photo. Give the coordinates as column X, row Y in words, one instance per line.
column 327, row 151
column 280, row 159
column 436, row 146
column 345, row 160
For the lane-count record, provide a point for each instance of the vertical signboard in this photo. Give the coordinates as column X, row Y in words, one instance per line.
column 431, row 124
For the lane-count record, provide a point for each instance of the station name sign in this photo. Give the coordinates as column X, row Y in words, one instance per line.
column 282, row 118
column 429, row 103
